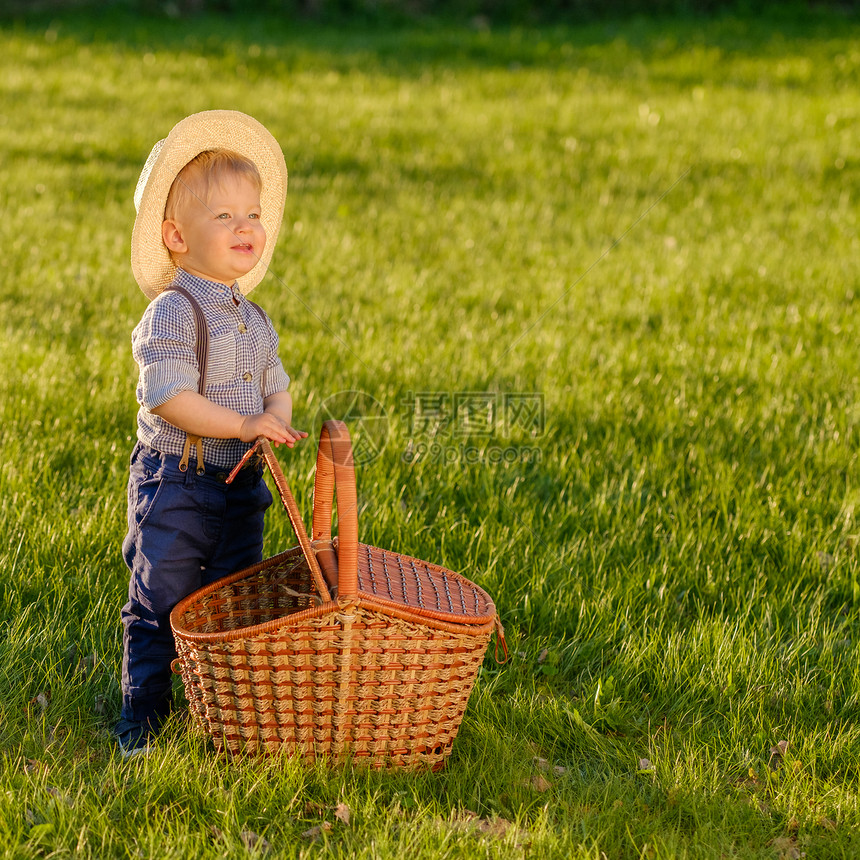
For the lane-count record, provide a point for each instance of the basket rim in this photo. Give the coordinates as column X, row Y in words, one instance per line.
column 455, row 624
column 330, row 608
column 206, row 590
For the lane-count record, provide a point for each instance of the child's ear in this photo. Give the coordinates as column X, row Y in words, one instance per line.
column 171, row 235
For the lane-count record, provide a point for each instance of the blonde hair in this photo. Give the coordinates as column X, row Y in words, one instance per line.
column 203, row 172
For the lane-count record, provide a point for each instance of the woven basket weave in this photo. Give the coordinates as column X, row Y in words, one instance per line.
column 334, row 649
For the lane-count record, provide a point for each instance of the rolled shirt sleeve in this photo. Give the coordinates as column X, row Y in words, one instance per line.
column 163, row 345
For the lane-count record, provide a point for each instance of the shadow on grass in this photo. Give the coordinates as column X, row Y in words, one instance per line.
column 613, row 48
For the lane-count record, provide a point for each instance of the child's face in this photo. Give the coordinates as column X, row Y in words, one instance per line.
column 220, row 239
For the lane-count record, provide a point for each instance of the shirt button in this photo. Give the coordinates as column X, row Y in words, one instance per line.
column 242, row 328
column 247, row 376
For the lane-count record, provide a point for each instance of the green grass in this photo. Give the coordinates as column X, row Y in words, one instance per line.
column 654, row 226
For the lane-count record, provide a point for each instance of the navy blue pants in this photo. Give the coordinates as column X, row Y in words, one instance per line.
column 184, row 531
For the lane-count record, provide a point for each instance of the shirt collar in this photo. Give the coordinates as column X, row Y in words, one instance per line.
column 206, row 291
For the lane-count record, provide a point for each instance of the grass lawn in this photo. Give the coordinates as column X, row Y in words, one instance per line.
column 600, row 285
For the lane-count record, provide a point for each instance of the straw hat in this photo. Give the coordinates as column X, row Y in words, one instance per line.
column 213, row 129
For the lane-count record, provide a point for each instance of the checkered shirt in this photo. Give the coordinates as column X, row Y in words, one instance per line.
column 241, row 346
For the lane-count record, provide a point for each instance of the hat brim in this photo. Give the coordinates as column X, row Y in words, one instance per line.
column 151, row 263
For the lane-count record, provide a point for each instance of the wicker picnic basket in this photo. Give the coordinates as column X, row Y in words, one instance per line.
column 334, row 649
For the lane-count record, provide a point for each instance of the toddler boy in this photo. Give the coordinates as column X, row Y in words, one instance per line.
column 209, row 206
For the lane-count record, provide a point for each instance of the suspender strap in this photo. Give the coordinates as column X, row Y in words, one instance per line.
column 201, row 349
column 202, row 345
column 265, row 320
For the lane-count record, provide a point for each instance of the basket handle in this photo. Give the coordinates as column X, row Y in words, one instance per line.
column 335, row 471
column 262, row 445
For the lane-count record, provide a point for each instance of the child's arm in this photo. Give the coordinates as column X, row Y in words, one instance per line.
column 201, row 417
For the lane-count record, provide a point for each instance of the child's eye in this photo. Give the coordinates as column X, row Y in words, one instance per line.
column 224, row 215
column 254, row 215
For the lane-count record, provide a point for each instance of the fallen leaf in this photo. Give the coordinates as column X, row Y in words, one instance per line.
column 543, row 655
column 467, row 821
column 464, row 815
column 42, row 700
column 539, row 783
column 762, row 806
column 544, row 765
column 216, row 832
column 59, row 796
column 86, row 664
column 777, row 753
column 342, row 813
column 32, row 764
column 645, row 766
column 253, row 841
column 753, row 775
column 787, row 848
column 496, row 827
column 312, row 808
column 317, row 830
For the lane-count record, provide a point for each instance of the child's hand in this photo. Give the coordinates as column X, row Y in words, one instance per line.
column 273, row 428
column 292, row 435
column 297, row 436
